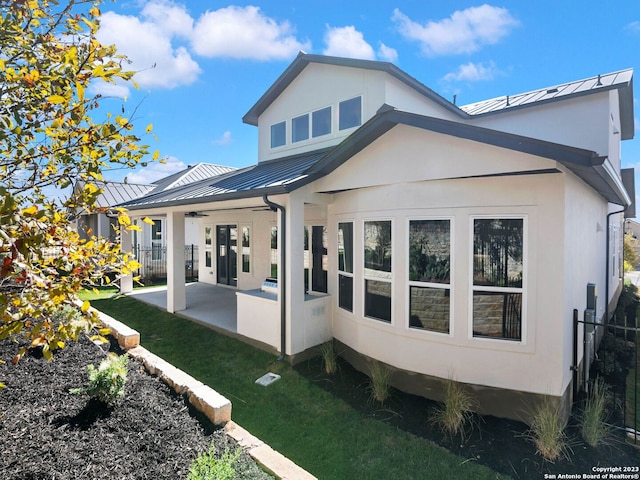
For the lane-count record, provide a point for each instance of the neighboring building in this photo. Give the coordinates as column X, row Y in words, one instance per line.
column 444, row 241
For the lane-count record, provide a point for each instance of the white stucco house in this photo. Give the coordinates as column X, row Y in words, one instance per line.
column 445, row 241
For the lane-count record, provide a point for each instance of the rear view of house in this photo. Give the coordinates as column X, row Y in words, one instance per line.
column 445, row 241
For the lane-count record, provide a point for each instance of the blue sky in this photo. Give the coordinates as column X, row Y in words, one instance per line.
column 213, row 60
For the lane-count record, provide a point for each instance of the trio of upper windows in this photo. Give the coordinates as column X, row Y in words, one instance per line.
column 318, row 123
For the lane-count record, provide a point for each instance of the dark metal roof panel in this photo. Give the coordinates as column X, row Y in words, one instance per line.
column 247, row 182
column 115, row 193
column 193, row 173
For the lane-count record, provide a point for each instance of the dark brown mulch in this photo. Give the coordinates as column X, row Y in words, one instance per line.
column 500, row 444
column 48, row 433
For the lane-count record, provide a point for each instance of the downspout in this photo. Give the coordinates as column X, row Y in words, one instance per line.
column 283, row 273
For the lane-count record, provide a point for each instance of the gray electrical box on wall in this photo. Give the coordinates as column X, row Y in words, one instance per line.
column 592, row 296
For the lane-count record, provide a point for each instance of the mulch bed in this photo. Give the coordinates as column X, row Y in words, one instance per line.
column 48, row 433
column 500, row 444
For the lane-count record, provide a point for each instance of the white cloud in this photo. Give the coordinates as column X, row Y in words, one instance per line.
column 156, row 171
column 225, row 139
column 387, row 53
column 633, row 27
column 473, row 72
column 244, row 32
column 347, row 42
column 148, row 43
column 109, row 89
column 465, row 31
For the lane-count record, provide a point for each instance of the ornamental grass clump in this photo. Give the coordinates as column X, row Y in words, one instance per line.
column 379, row 386
column 592, row 426
column 329, row 358
column 456, row 412
column 106, row 383
column 547, row 430
column 207, row 467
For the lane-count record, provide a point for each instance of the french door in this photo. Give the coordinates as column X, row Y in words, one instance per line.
column 227, row 254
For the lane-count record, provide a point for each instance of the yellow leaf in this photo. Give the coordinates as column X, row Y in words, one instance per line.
column 56, row 99
column 124, row 220
column 85, row 306
column 99, row 338
column 32, row 210
column 104, row 331
column 149, row 127
column 134, row 228
column 148, row 220
column 156, row 154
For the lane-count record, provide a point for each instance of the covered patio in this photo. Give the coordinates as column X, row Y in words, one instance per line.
column 207, row 304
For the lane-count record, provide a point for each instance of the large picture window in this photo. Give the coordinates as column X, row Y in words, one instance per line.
column 345, row 265
column 430, row 275
column 498, row 271
column 377, row 269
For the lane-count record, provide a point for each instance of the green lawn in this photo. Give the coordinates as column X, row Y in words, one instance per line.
column 295, row 416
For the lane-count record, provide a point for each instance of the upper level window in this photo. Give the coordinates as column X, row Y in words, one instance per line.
column 300, row 128
column 321, row 122
column 350, row 113
column 278, row 134
column 497, row 277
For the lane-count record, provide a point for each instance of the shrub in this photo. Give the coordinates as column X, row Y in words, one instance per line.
column 106, row 383
column 593, row 427
column 329, row 357
column 455, row 413
column 207, row 467
column 379, row 382
column 547, row 430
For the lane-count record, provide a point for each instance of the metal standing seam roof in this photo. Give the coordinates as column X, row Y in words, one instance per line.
column 273, row 176
column 191, row 174
column 622, row 80
column 114, row 193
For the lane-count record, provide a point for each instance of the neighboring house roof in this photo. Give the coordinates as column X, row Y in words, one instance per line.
column 622, row 80
column 193, row 173
column 114, row 193
column 287, row 174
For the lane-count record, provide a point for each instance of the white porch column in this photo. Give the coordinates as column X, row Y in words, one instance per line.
column 176, row 289
column 126, row 281
column 295, row 275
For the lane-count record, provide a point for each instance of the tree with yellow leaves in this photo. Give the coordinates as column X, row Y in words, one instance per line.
column 49, row 140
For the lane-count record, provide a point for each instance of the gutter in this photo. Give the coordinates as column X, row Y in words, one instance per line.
column 282, row 273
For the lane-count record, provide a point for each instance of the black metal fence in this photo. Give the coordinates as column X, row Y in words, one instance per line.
column 611, row 355
column 153, row 261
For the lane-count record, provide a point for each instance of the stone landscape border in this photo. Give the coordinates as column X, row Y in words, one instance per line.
column 205, row 399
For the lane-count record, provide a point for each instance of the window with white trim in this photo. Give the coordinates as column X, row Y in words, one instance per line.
column 300, row 128
column 430, row 275
column 350, row 113
column 498, row 271
column 321, row 122
column 377, row 270
column 278, row 134
column 246, row 249
column 345, row 265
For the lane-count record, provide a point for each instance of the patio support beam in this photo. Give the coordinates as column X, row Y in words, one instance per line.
column 176, row 288
column 295, row 274
column 126, row 281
